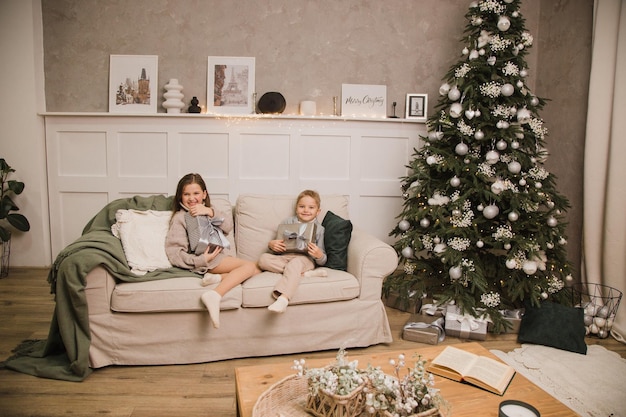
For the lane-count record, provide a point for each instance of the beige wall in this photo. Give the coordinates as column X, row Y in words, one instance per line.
column 304, row 49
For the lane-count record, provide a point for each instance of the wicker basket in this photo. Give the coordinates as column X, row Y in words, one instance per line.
column 433, row 412
column 286, row 398
column 332, row 405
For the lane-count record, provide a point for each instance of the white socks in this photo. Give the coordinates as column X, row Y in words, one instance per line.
column 317, row 272
column 211, row 300
column 210, row 279
column 280, row 305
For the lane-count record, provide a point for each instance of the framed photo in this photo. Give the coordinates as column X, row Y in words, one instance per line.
column 230, row 85
column 416, row 106
column 133, row 83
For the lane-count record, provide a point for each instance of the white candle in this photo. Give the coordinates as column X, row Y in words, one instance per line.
column 307, row 108
column 515, row 410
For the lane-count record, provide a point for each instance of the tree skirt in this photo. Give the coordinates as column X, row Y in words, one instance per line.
column 591, row 384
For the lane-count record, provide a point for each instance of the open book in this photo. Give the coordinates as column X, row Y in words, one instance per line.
column 484, row 372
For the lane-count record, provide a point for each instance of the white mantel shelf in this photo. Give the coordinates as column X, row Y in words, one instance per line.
column 95, row 158
column 321, row 117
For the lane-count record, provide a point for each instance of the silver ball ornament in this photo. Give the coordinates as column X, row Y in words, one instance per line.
column 455, row 272
column 455, row 181
column 544, row 295
column 424, row 222
column 514, row 167
column 456, row 109
column 407, row 252
column 480, row 244
column 492, row 157
column 522, row 182
column 491, row 211
column 444, row 89
column 404, row 225
column 504, row 23
column 513, row 216
column 454, row 94
column 501, row 145
column 552, row 222
column 534, row 101
column 435, row 135
column 515, row 144
column 507, row 246
column 507, row 90
column 479, row 135
column 511, row 263
column 431, row 160
column 461, row 149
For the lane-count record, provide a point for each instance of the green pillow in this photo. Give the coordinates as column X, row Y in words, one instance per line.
column 337, row 233
column 554, row 325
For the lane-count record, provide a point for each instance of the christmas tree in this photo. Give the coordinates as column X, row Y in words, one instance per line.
column 482, row 222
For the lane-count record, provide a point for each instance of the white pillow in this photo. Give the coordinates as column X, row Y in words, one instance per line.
column 143, row 238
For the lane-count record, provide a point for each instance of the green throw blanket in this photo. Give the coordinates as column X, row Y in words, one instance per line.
column 65, row 354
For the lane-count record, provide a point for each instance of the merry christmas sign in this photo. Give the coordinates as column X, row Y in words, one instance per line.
column 363, row 100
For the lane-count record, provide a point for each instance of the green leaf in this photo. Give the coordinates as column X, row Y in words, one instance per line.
column 19, row 222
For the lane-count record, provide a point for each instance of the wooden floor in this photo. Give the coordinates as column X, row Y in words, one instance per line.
column 208, row 389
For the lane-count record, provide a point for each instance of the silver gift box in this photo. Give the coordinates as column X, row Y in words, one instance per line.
column 297, row 236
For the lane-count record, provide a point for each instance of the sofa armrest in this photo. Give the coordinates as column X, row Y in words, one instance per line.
column 99, row 285
column 370, row 260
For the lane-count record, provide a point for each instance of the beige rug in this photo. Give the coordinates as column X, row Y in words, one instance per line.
column 593, row 385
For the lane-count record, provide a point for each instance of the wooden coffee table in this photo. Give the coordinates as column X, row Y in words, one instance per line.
column 465, row 400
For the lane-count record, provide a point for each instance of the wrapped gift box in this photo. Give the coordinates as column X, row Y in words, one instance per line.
column 514, row 317
column 464, row 326
column 297, row 236
column 431, row 308
column 424, row 329
column 411, row 304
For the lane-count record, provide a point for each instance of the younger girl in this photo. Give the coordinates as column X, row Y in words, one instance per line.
column 192, row 198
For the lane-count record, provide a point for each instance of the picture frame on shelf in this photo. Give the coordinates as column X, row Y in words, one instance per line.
column 133, row 81
column 230, row 85
column 416, row 107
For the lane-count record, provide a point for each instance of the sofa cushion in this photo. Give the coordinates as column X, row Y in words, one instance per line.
column 143, row 238
column 337, row 233
column 257, row 218
column 337, row 286
column 174, row 294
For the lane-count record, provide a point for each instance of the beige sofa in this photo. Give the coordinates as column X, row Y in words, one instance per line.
column 164, row 321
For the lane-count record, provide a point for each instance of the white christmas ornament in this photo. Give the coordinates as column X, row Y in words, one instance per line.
column 456, row 109
column 491, row 60
column 552, row 222
column 534, row 101
column 497, row 187
column 474, row 54
column 407, row 252
column 515, row 144
column 439, row 248
column 454, row 94
column 513, row 216
column 404, row 225
column 461, row 149
column 504, row 23
column 523, row 73
column 491, row 211
column 435, row 135
column 523, row 115
column 469, row 113
column 424, row 222
column 511, row 263
column 479, row 135
column 514, row 167
column 455, row 272
column 480, row 244
column 507, row 246
column 444, row 89
column 465, row 51
column 492, row 157
column 501, row 145
column 507, row 90
column 455, row 181
column 522, row 182
column 431, row 160
column 530, row 267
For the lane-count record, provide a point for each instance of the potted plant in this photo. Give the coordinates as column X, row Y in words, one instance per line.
column 8, row 189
